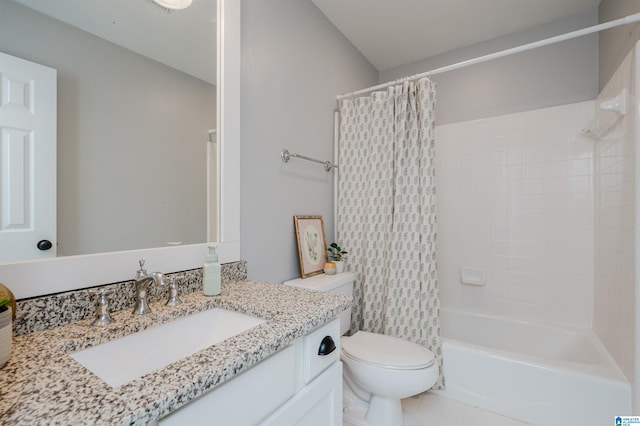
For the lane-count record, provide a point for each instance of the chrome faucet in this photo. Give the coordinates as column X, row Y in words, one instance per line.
column 142, row 281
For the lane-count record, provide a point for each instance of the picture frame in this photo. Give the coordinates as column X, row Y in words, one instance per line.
column 311, row 244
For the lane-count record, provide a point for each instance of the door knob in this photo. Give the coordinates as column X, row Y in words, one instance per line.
column 44, row 245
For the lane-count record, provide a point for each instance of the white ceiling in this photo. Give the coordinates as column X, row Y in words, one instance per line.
column 390, row 33
column 183, row 39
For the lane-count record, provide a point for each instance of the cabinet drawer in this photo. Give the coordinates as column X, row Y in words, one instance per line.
column 315, row 363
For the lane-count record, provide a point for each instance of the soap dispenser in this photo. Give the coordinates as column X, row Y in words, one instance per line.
column 211, row 273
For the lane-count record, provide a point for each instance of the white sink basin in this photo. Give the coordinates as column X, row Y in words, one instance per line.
column 130, row 357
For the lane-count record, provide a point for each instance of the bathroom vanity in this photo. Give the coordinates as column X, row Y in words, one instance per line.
column 271, row 373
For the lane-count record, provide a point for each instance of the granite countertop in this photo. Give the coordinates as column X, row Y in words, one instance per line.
column 42, row 384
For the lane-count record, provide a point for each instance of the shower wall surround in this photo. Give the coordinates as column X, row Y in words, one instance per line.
column 615, row 198
column 515, row 198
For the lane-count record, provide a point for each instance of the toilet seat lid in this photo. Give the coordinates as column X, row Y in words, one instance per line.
column 387, row 351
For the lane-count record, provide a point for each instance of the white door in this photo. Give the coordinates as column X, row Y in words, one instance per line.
column 27, row 160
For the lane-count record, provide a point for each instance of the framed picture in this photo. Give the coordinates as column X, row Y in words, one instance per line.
column 311, row 244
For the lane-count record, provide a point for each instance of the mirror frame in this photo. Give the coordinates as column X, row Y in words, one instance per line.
column 54, row 275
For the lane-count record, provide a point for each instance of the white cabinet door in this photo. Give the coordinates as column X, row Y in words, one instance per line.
column 27, row 159
column 317, row 404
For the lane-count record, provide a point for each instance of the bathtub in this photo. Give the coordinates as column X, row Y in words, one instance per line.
column 536, row 373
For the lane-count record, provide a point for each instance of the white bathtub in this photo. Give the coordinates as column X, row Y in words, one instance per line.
column 536, row 373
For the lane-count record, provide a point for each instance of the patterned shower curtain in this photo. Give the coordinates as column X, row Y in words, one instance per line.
column 387, row 212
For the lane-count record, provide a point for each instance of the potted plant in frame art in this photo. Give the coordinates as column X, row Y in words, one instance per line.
column 337, row 255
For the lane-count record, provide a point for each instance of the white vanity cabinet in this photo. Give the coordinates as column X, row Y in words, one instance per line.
column 296, row 385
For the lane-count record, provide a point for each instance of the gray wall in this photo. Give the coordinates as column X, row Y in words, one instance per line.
column 547, row 76
column 615, row 44
column 131, row 138
column 294, row 63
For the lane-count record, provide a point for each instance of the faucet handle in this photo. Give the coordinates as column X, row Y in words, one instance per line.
column 102, row 306
column 102, row 291
column 141, row 272
column 174, row 300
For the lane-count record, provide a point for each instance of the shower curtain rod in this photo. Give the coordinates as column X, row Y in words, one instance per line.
column 552, row 40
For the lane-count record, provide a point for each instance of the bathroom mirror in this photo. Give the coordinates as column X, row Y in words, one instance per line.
column 46, row 276
column 136, row 110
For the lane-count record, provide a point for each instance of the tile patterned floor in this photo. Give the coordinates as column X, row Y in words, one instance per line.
column 429, row 409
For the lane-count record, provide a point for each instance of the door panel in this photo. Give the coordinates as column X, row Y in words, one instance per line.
column 27, row 159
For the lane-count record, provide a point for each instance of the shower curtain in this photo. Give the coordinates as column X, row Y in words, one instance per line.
column 386, row 212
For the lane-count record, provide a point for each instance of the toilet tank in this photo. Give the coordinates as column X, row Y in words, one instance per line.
column 339, row 283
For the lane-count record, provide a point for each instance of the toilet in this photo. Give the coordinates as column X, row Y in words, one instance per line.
column 379, row 370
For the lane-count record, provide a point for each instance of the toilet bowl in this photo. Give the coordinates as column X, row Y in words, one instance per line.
column 386, row 369
column 379, row 370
